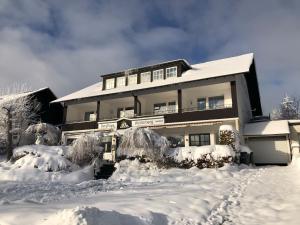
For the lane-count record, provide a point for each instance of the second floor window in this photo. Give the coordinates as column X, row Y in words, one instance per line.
column 132, row 79
column 171, row 72
column 216, row 102
column 158, row 74
column 160, row 108
column 201, row 104
column 145, row 77
column 89, row 116
column 120, row 81
column 110, row 83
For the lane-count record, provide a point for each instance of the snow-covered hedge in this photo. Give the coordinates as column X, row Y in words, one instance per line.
column 42, row 157
column 43, row 134
column 86, row 148
column 210, row 156
column 142, row 143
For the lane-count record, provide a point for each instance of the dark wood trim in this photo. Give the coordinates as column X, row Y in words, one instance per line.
column 179, row 99
column 200, row 115
column 87, row 125
column 234, row 98
column 98, row 111
column 65, row 111
column 135, row 107
column 170, row 87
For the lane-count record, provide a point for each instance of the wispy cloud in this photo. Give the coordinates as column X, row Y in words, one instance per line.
column 67, row 44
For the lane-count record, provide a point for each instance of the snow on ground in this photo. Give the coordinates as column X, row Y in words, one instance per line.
column 144, row 194
column 43, row 163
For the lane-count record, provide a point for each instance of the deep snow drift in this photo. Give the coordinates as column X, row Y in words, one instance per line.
column 43, row 163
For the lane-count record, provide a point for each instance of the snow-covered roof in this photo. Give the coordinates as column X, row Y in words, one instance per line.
column 276, row 127
column 217, row 68
column 9, row 97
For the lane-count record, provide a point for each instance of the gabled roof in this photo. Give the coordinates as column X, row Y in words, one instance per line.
column 212, row 69
column 277, row 127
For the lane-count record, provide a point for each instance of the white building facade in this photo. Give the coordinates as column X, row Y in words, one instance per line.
column 185, row 103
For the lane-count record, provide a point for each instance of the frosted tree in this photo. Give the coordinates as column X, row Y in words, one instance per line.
column 289, row 108
column 86, row 148
column 143, row 142
column 17, row 110
column 43, row 134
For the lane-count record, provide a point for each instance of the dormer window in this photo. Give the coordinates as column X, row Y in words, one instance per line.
column 110, row 83
column 145, row 77
column 132, row 79
column 120, row 81
column 171, row 72
column 158, row 74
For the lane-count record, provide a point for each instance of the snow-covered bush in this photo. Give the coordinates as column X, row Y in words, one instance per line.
column 43, row 134
column 210, row 156
column 143, row 143
column 230, row 136
column 41, row 157
column 86, row 148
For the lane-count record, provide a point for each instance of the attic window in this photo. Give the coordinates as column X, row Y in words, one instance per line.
column 145, row 77
column 110, row 83
column 158, row 74
column 120, row 81
column 171, row 72
column 132, row 79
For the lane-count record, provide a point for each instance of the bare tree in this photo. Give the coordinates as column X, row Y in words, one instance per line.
column 288, row 109
column 17, row 110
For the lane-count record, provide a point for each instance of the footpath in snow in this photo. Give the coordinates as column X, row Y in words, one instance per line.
column 143, row 194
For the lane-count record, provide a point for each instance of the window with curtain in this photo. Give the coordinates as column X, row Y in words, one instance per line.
column 216, row 102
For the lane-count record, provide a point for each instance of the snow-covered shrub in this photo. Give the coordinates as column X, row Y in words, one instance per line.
column 210, row 156
column 143, row 143
column 43, row 134
column 43, row 158
column 86, row 148
column 229, row 136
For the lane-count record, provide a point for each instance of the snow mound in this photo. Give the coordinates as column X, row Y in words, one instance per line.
column 193, row 153
column 92, row 216
column 296, row 162
column 45, row 158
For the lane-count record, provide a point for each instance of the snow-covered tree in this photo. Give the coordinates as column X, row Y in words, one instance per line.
column 230, row 136
column 43, row 134
column 86, row 148
column 143, row 142
column 17, row 110
column 289, row 108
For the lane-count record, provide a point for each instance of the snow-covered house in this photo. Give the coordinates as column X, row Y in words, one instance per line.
column 186, row 103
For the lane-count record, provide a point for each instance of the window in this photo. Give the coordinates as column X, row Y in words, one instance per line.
column 110, row 83
column 160, row 108
column 89, row 116
column 199, row 139
column 145, row 77
column 176, row 141
column 216, row 102
column 106, row 143
column 201, row 104
column 125, row 112
column 171, row 72
column 171, row 107
column 158, row 74
column 132, row 79
column 120, row 81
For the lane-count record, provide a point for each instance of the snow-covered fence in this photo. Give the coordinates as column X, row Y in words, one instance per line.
column 86, row 148
column 143, row 143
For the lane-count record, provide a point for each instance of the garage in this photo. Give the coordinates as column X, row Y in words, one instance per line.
column 269, row 150
column 269, row 142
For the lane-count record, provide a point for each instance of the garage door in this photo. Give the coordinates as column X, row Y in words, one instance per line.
column 269, row 150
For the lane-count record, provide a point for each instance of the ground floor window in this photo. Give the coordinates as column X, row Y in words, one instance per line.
column 176, row 141
column 106, row 144
column 199, row 139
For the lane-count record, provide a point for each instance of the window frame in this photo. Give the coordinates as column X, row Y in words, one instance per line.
column 205, row 102
column 89, row 113
column 123, row 83
column 200, row 141
column 135, row 76
column 160, row 74
column 143, row 75
column 169, row 71
column 107, row 87
column 216, row 106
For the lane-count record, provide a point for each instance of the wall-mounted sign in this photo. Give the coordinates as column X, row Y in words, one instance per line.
column 108, row 126
column 124, row 124
column 148, row 122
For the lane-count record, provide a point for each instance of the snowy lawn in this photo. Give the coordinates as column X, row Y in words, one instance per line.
column 142, row 194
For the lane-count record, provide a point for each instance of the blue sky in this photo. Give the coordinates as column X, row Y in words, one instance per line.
column 66, row 45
